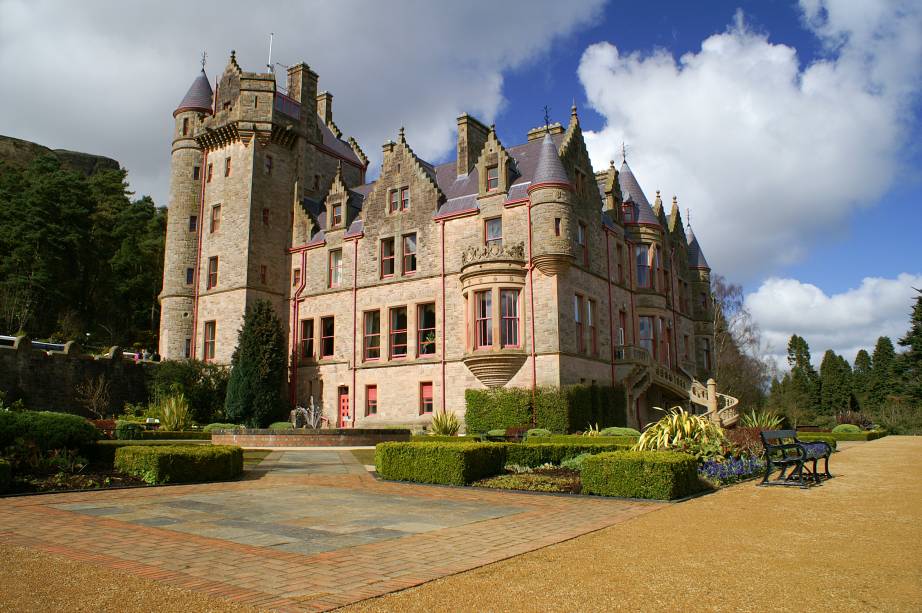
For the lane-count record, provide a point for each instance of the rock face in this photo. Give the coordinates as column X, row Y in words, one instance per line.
column 19, row 153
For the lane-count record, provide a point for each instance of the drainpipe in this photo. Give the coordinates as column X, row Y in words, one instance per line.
column 531, row 299
column 631, row 265
column 198, row 256
column 295, row 354
column 611, row 321
column 675, row 321
column 355, row 280
column 442, row 350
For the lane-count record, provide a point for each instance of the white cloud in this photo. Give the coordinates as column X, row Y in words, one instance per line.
column 768, row 155
column 844, row 322
column 104, row 77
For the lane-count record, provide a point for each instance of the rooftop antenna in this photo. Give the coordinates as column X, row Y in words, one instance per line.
column 547, row 118
column 269, row 65
column 204, row 57
column 687, row 217
column 623, row 152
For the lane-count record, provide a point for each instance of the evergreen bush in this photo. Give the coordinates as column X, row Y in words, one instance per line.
column 619, row 431
column 46, row 430
column 220, row 426
column 254, row 390
column 445, row 463
column 498, row 408
column 846, row 428
column 180, row 435
column 180, row 464
column 103, row 452
column 281, row 425
column 660, row 475
column 536, row 454
column 128, row 430
column 204, row 385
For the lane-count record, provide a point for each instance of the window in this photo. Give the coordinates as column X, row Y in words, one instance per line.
column 706, row 343
column 578, row 318
column 483, row 319
column 371, row 400
column 404, row 198
column 557, row 226
column 187, row 348
column 409, row 253
column 661, row 341
column 196, row 173
column 268, row 164
column 425, row 329
column 642, row 258
column 398, row 332
column 265, row 217
column 509, row 317
column 212, row 272
column 703, row 301
column 622, row 331
column 209, row 344
column 215, row 218
column 668, row 348
column 185, row 126
column 190, row 276
column 296, row 277
column 493, row 232
column 307, row 338
column 335, row 273
column 337, row 216
column 263, row 274
column 425, row 398
column 372, row 336
column 327, row 330
column 387, row 257
column 646, row 333
column 593, row 330
column 393, row 205
column 686, row 344
column 193, row 223
column 581, row 243
column 226, row 106
column 227, row 167
column 492, row 177
column 628, row 213
column 210, row 173
column 620, row 264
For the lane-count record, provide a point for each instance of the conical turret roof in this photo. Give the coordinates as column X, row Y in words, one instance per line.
column 631, row 192
column 199, row 96
column 695, row 255
column 549, row 168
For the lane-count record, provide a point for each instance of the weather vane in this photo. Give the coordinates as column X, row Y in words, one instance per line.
column 547, row 117
column 623, row 152
column 688, row 217
column 204, row 57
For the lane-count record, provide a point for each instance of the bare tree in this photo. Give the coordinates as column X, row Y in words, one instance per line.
column 94, row 395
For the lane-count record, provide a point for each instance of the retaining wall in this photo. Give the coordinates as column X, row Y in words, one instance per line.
column 308, row 438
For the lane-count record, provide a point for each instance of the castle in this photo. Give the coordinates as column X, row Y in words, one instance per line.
column 510, row 266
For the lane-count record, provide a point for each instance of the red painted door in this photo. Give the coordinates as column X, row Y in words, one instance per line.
column 344, row 416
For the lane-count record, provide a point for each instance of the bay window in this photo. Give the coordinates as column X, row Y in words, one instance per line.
column 483, row 319
column 398, row 332
column 509, row 317
column 425, row 329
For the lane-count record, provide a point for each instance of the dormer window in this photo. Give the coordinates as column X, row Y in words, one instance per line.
column 337, row 216
column 492, row 177
column 628, row 211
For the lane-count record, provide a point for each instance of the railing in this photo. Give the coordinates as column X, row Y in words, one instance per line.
column 671, row 378
column 632, row 354
column 287, row 106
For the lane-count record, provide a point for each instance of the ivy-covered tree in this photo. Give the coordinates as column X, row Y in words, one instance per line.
column 835, row 384
column 254, row 391
column 909, row 363
column 883, row 382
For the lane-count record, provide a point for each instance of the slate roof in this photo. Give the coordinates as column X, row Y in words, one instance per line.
column 549, row 168
column 337, row 145
column 199, row 97
column 695, row 255
column 631, row 193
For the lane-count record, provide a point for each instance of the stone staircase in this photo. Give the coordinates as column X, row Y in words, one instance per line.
column 721, row 408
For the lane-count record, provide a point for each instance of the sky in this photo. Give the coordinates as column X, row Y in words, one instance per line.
column 790, row 130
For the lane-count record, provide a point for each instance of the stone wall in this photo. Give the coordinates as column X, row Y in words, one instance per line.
column 47, row 380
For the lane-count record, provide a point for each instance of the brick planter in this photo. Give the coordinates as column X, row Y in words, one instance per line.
column 346, row 437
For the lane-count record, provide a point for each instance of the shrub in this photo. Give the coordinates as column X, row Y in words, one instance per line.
column 660, row 475
column 855, row 418
column 46, row 430
column 180, row 464
column 869, row 435
column 809, row 437
column 220, row 426
column 445, row 424
column 174, row 412
column 578, row 439
column 501, row 432
column 576, row 407
column 281, row 425
column 537, row 433
column 761, row 419
column 449, row 463
column 536, row 454
column 187, row 435
column 203, row 383
column 576, row 462
column 846, row 428
column 683, row 431
column 6, row 475
column 258, row 367
column 103, row 452
column 497, row 408
column 434, row 438
column 619, row 431
column 128, row 430
column 745, row 441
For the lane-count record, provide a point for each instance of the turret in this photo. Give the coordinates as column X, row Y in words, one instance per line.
column 553, row 223
column 186, row 174
column 703, row 306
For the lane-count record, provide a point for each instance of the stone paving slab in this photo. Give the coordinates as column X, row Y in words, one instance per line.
column 294, row 537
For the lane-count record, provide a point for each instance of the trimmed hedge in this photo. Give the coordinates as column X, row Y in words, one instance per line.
column 219, row 426
column 810, row 437
column 180, row 464
column 575, row 439
column 498, row 408
column 185, row 435
column 619, row 431
column 538, row 433
column 6, row 475
column 281, row 425
column 128, row 430
column 538, row 453
column 444, row 463
column 868, row 435
column 660, row 475
column 432, row 438
column 103, row 451
column 846, row 428
column 47, row 430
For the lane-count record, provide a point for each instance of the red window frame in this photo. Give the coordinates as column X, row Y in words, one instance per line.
column 424, row 347
column 496, row 240
column 426, row 398
column 593, row 328
column 582, row 241
column 209, row 342
column 492, row 177
column 509, row 318
column 337, row 215
column 306, row 340
column 371, row 336
column 335, row 271
column 296, row 277
column 212, row 272
column 388, row 259
column 397, row 336
column 185, row 126
column 408, row 257
column 578, row 319
column 327, row 341
column 371, row 400
column 393, row 202
column 227, row 167
column 210, row 173
column 215, row 218
column 404, row 198
column 644, row 274
column 483, row 319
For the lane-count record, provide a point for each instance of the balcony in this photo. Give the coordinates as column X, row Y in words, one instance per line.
column 676, row 382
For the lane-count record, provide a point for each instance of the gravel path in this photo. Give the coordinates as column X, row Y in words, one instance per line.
column 852, row 544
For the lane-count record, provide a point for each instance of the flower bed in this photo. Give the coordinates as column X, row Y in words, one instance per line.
column 723, row 471
column 551, row 479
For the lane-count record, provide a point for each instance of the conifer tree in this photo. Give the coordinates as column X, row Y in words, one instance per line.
column 861, row 377
column 835, row 384
column 254, row 391
column 805, row 383
column 909, row 364
column 883, row 383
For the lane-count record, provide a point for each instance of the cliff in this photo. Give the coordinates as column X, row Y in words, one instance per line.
column 18, row 153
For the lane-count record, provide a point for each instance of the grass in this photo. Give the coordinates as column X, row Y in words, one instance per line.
column 252, row 457
column 364, row 456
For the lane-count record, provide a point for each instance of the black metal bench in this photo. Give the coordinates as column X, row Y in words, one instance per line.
column 783, row 451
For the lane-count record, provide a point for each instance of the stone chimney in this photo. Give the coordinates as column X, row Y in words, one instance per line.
column 472, row 135
column 325, row 107
column 302, row 85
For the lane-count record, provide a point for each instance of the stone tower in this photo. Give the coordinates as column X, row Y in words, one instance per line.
column 186, row 175
column 554, row 227
column 703, row 305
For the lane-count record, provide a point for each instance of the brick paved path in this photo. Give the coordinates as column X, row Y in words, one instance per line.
column 306, row 531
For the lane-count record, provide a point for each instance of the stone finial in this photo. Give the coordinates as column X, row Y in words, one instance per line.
column 401, row 135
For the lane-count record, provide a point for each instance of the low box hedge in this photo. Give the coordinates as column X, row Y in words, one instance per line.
column 575, row 439
column 180, row 463
column 6, row 475
column 185, row 435
column 538, row 453
column 810, row 437
column 103, row 452
column 444, row 463
column 659, row 475
column 426, row 438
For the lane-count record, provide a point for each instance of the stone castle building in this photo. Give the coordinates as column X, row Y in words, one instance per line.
column 515, row 265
